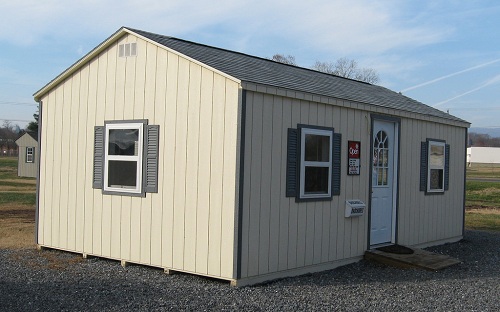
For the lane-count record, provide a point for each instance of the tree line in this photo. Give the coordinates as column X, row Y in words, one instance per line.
column 10, row 132
column 482, row 140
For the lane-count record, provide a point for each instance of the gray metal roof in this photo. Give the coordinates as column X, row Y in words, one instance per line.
column 267, row 72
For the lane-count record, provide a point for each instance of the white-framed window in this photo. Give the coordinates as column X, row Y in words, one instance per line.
column 123, row 157
column 30, row 154
column 315, row 163
column 436, row 166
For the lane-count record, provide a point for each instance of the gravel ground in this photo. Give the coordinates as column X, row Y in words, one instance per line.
column 52, row 280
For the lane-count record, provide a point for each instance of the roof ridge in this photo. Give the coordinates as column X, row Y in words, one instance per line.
column 244, row 54
column 255, row 69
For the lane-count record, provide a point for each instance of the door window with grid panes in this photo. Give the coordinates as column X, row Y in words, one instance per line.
column 381, row 159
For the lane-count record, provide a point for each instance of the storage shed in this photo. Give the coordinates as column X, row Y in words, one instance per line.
column 483, row 155
column 28, row 155
column 174, row 154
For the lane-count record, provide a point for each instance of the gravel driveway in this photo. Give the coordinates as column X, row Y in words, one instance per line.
column 52, row 280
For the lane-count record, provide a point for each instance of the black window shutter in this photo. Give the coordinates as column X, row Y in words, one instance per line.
column 336, row 151
column 291, row 162
column 423, row 166
column 98, row 157
column 447, row 167
column 151, row 159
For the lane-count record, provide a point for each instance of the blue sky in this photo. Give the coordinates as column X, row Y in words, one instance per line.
column 443, row 53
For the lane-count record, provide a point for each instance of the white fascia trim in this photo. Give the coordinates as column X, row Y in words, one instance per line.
column 104, row 45
column 78, row 64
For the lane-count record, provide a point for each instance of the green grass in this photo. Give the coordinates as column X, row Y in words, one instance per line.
column 8, row 171
column 483, row 194
column 18, row 198
column 8, row 168
column 8, row 162
column 9, row 180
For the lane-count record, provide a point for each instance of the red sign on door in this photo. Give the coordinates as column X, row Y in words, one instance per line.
column 354, row 150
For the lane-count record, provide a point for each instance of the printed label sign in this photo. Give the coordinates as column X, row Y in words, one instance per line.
column 354, row 150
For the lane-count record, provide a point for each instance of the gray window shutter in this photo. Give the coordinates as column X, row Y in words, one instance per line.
column 336, row 158
column 447, row 167
column 98, row 157
column 151, row 159
column 423, row 166
column 291, row 162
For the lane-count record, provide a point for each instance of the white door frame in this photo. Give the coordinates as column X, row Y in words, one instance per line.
column 396, row 123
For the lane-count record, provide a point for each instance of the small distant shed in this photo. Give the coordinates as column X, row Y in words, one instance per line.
column 28, row 155
column 192, row 158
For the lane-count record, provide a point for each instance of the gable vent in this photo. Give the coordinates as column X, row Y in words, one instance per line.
column 127, row 49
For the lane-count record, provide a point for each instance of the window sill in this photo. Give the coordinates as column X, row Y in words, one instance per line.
column 118, row 193
column 313, row 199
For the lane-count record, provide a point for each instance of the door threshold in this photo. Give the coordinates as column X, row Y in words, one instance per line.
column 380, row 245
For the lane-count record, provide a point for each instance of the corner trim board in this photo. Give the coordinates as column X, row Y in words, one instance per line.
column 37, row 206
column 241, row 182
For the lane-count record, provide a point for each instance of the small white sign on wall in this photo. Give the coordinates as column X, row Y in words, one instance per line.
column 354, row 208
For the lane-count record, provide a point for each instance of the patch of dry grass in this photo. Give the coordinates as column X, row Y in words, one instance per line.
column 16, row 189
column 482, row 221
column 16, row 234
column 484, row 210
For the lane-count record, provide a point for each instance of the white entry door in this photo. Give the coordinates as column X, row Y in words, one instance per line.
column 384, row 184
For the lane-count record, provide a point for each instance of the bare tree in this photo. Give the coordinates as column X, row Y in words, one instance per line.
column 367, row 75
column 325, row 67
column 347, row 68
column 342, row 67
column 285, row 59
column 7, row 124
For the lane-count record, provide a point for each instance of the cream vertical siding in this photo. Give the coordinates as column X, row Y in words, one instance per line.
column 189, row 224
column 26, row 169
column 280, row 236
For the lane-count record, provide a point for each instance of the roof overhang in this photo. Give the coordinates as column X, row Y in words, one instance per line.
column 340, row 102
column 73, row 68
column 103, row 46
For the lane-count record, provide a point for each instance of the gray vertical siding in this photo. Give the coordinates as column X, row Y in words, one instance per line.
column 429, row 218
column 279, row 234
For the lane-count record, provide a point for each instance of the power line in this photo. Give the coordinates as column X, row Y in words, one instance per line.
column 17, row 103
column 19, row 120
column 489, row 127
